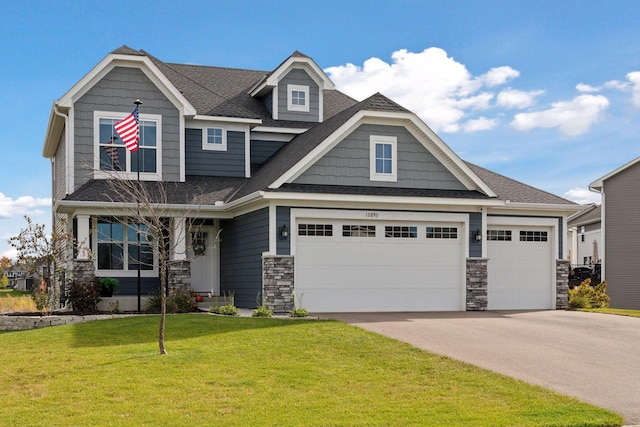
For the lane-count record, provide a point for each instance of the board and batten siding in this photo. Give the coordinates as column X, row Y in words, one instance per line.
column 243, row 240
column 214, row 163
column 299, row 77
column 622, row 245
column 283, row 217
column 116, row 92
column 348, row 163
column 475, row 224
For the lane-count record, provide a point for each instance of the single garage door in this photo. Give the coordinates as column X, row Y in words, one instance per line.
column 351, row 265
column 520, row 268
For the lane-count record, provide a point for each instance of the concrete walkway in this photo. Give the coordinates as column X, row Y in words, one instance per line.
column 594, row 357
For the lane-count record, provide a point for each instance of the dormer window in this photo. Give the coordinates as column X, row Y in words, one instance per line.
column 298, row 98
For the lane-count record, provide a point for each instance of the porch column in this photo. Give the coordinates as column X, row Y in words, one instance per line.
column 178, row 240
column 83, row 237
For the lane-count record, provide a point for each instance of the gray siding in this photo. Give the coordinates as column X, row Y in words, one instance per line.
column 348, row 163
column 622, row 245
column 262, row 150
column 116, row 92
column 283, row 217
column 244, row 239
column 268, row 102
column 214, row 163
column 299, row 77
column 475, row 224
column 60, row 169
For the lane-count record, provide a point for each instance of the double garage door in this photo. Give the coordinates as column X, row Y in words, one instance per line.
column 377, row 265
column 393, row 263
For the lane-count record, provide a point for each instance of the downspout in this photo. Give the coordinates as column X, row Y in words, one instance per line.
column 53, row 174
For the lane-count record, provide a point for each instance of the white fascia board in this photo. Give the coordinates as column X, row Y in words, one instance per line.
column 315, row 72
column 105, row 208
column 226, row 119
column 599, row 183
column 557, row 208
column 55, row 127
column 267, row 129
column 141, row 62
column 392, row 200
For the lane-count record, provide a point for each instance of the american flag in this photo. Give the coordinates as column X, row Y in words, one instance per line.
column 129, row 131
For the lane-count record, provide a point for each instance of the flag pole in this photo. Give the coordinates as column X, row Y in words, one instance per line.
column 137, row 102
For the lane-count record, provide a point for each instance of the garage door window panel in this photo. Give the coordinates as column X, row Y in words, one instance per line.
column 315, row 230
column 442, row 232
column 402, row 232
column 499, row 235
column 533, row 236
column 358, row 231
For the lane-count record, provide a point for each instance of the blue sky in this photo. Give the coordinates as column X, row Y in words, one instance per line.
column 546, row 92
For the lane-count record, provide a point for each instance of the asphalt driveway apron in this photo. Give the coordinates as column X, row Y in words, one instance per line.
column 594, row 357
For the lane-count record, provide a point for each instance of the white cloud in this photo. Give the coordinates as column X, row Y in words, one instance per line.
column 481, row 123
column 582, row 87
column 430, row 83
column 582, row 196
column 572, row 118
column 634, row 78
column 22, row 205
column 513, row 98
column 499, row 75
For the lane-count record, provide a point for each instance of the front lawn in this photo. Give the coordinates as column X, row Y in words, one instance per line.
column 617, row 311
column 247, row 371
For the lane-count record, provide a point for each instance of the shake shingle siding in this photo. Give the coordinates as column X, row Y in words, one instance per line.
column 348, row 163
column 60, row 169
column 622, row 245
column 116, row 92
column 215, row 163
column 244, row 239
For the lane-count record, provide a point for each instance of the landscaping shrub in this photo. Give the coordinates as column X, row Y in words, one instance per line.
column 299, row 312
column 262, row 311
column 178, row 302
column 84, row 297
column 227, row 310
column 587, row 296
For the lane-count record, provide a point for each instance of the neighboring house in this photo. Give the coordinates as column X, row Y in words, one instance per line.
column 620, row 225
column 585, row 234
column 303, row 194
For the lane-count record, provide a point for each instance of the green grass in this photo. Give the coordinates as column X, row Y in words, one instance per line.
column 248, row 371
column 616, row 311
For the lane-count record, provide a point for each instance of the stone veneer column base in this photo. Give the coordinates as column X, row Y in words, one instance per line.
column 476, row 284
column 277, row 283
column 178, row 276
column 562, row 284
column 83, row 271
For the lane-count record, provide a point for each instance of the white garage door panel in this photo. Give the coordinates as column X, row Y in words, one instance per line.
column 519, row 273
column 379, row 274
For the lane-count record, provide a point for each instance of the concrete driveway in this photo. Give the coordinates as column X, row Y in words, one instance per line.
column 594, row 357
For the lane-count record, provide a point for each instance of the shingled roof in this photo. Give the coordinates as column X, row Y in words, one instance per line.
column 515, row 191
column 221, row 91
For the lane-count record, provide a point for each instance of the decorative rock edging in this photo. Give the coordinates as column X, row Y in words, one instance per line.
column 22, row 323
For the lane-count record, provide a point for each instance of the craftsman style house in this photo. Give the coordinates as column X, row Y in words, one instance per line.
column 281, row 185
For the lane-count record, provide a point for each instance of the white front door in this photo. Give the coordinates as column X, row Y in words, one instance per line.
column 204, row 255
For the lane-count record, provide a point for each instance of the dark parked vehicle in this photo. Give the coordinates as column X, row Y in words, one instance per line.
column 578, row 275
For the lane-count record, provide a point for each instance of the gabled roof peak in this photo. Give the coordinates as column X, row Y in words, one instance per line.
column 379, row 102
column 126, row 50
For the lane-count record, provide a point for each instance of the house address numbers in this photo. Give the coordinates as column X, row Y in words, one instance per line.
column 371, row 215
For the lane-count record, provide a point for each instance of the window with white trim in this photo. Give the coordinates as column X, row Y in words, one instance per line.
column 113, row 156
column 442, row 232
column 383, row 160
column 214, row 138
column 117, row 246
column 298, row 98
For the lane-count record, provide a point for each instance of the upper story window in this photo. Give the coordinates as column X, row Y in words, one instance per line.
column 214, row 138
column 298, row 98
column 383, row 158
column 113, row 156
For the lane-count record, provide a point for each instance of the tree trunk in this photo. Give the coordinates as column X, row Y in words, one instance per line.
column 163, row 305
